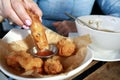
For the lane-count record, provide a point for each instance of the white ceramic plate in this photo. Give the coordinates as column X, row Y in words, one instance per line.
column 106, row 55
column 20, row 34
column 102, row 55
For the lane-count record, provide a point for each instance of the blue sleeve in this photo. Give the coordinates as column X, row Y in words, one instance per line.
column 110, row 7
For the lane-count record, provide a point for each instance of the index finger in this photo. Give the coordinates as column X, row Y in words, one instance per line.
column 20, row 10
column 33, row 7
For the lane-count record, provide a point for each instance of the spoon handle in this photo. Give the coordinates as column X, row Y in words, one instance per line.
column 79, row 20
column 69, row 15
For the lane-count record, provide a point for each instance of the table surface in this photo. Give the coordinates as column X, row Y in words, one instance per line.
column 96, row 70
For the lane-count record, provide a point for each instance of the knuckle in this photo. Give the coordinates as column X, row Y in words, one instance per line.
column 14, row 1
column 8, row 14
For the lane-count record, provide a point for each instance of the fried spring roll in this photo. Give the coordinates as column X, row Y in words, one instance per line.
column 38, row 32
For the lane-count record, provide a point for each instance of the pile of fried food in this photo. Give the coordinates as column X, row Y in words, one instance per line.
column 20, row 60
column 27, row 62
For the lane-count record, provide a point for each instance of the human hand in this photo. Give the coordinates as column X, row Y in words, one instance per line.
column 64, row 27
column 15, row 11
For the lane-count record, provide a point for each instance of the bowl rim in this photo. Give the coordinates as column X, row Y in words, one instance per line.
column 80, row 17
column 87, row 60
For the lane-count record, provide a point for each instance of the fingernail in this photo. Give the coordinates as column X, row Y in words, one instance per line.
column 25, row 27
column 40, row 19
column 28, row 22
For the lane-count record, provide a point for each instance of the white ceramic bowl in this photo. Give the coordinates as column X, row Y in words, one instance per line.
column 101, row 40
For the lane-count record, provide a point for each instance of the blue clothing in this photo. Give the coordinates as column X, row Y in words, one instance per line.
column 53, row 10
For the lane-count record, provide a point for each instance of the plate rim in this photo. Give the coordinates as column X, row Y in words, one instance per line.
column 84, row 64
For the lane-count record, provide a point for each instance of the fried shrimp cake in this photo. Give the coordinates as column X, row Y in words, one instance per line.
column 25, row 61
column 66, row 47
column 53, row 65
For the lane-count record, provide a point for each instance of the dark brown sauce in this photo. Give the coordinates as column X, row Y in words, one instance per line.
column 44, row 53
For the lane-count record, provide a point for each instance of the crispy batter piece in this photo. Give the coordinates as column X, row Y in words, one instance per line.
column 66, row 47
column 53, row 65
column 25, row 61
column 38, row 32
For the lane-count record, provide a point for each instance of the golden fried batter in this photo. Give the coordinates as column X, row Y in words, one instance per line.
column 38, row 32
column 66, row 47
column 53, row 65
column 24, row 60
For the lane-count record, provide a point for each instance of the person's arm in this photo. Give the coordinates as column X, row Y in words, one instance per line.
column 65, row 27
column 15, row 11
column 110, row 7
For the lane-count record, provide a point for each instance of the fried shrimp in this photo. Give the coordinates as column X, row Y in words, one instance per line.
column 66, row 47
column 25, row 61
column 53, row 65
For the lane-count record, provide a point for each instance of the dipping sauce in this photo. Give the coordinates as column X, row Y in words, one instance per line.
column 45, row 53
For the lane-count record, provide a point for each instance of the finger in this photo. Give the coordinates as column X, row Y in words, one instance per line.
column 60, row 30
column 56, row 24
column 1, row 7
column 20, row 10
column 63, row 33
column 9, row 13
column 37, row 10
column 33, row 7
